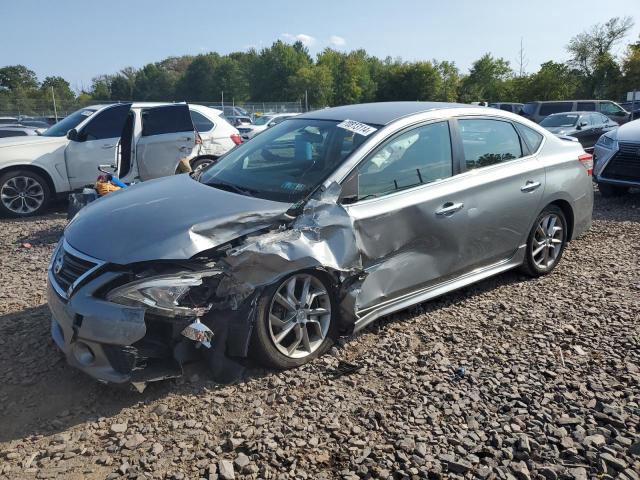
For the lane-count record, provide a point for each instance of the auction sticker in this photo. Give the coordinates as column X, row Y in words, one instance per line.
column 357, row 127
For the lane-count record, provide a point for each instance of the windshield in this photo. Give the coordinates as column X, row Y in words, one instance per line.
column 61, row 128
column 529, row 108
column 262, row 120
column 284, row 163
column 560, row 121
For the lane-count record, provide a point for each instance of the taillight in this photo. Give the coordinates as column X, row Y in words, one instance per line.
column 587, row 161
column 237, row 139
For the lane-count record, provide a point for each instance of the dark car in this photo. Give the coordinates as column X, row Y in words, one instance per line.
column 508, row 106
column 587, row 127
column 537, row 111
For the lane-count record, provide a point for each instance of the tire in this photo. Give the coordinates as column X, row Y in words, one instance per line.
column 23, row 193
column 202, row 162
column 539, row 245
column 290, row 324
column 607, row 190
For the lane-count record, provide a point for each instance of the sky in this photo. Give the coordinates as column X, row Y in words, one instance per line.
column 79, row 39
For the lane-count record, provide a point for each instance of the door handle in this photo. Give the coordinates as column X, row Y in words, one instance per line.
column 530, row 186
column 450, row 208
column 106, row 145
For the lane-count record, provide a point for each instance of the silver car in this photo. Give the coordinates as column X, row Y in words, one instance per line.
column 312, row 230
column 617, row 160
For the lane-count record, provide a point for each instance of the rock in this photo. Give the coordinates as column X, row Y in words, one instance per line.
column 157, row 448
column 118, row 427
column 161, row 409
column 616, row 463
column 225, row 470
column 135, row 440
column 242, row 461
column 596, row 440
column 520, row 470
column 578, row 473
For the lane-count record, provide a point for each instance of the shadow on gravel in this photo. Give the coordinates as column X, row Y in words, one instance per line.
column 625, row 208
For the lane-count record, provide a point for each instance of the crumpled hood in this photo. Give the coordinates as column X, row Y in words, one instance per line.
column 171, row 218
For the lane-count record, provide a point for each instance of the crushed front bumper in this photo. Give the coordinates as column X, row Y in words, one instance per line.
column 108, row 341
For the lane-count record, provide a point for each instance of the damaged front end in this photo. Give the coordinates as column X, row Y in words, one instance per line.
column 143, row 322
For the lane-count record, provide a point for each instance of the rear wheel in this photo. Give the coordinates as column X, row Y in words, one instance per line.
column 546, row 242
column 607, row 190
column 295, row 321
column 23, row 193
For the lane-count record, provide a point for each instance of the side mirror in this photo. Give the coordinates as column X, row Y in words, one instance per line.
column 72, row 134
column 581, row 125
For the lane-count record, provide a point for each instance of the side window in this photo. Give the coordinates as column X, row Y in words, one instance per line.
column 202, row 123
column 169, row 119
column 488, row 142
column 533, row 138
column 603, row 119
column 609, row 108
column 105, row 124
column 421, row 155
column 586, row 107
column 594, row 119
column 506, row 106
column 555, row 107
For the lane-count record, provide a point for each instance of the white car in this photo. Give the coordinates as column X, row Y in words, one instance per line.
column 262, row 123
column 146, row 140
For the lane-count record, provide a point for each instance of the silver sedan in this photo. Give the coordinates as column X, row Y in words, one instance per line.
column 312, row 230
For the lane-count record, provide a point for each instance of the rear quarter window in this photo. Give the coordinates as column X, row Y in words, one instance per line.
column 532, row 138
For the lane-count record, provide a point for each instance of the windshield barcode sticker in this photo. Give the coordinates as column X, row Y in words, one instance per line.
column 357, row 127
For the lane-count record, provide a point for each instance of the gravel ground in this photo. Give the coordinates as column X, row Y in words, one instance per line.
column 510, row 378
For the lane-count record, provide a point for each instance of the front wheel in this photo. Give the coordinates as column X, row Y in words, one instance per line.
column 296, row 321
column 23, row 193
column 202, row 163
column 546, row 242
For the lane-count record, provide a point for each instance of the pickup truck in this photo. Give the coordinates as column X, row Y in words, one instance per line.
column 146, row 140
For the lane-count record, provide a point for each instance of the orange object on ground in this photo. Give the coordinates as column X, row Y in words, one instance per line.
column 104, row 187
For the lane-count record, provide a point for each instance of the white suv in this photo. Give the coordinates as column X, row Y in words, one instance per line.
column 146, row 140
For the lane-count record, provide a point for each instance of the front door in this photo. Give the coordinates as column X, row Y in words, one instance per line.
column 167, row 137
column 407, row 214
column 95, row 145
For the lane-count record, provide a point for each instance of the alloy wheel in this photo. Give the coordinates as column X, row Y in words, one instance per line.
column 547, row 241
column 299, row 316
column 22, row 194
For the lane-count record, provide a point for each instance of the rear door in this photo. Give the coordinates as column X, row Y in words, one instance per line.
column 167, row 137
column 95, row 145
column 503, row 187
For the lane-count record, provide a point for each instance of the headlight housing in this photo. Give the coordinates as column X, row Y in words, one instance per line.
column 607, row 141
column 162, row 294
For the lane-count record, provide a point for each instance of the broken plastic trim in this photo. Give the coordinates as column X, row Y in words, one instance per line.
column 198, row 332
column 162, row 294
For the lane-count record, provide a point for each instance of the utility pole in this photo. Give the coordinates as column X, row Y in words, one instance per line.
column 306, row 101
column 222, row 92
column 522, row 60
column 55, row 110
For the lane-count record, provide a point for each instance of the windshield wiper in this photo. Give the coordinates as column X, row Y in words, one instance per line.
column 229, row 187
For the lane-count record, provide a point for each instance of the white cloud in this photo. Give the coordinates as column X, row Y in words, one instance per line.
column 337, row 41
column 307, row 40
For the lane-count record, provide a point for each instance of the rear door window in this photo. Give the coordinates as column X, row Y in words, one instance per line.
column 488, row 142
column 166, row 119
column 555, row 107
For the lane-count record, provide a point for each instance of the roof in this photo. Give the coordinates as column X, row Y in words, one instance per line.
column 578, row 112
column 381, row 113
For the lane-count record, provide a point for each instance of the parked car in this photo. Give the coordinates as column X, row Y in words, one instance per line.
column 314, row 228
column 237, row 116
column 587, row 127
column 617, row 160
column 537, row 111
column 149, row 139
column 34, row 122
column 8, row 120
column 508, row 106
column 262, row 123
column 17, row 130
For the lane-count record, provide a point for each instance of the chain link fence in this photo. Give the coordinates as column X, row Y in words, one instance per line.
column 27, row 107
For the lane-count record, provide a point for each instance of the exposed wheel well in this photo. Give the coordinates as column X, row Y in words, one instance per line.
column 568, row 213
column 200, row 157
column 40, row 171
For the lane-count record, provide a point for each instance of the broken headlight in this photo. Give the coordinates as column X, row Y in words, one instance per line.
column 166, row 295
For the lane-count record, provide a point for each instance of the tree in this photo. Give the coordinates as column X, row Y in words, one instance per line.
column 314, row 80
column 198, row 83
column 554, row 81
column 591, row 54
column 60, row 86
column 151, row 83
column 631, row 68
column 17, row 78
column 486, row 80
column 101, row 87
